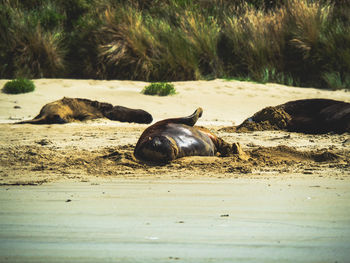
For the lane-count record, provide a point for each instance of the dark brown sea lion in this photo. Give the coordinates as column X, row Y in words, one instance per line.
column 76, row 109
column 169, row 139
column 314, row 116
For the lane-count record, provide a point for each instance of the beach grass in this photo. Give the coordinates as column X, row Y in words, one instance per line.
column 292, row 42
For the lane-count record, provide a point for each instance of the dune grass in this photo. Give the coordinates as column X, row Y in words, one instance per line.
column 293, row 42
column 30, row 43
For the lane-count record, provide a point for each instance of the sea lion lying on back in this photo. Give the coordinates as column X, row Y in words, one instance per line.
column 76, row 109
column 315, row 116
column 169, row 139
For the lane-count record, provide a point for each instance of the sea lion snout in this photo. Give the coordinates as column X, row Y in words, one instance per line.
column 56, row 119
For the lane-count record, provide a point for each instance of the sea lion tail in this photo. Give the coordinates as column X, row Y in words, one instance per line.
column 40, row 120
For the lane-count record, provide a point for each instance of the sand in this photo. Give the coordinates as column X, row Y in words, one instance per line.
column 75, row 157
column 104, row 149
column 274, row 219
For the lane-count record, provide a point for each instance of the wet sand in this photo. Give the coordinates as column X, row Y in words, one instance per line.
column 275, row 219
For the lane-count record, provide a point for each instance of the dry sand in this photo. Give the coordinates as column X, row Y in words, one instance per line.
column 99, row 152
column 102, row 148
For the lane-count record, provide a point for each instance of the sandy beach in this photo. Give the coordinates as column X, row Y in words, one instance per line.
column 287, row 202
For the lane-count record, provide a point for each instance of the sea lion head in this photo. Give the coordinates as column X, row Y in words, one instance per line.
column 119, row 113
column 157, row 149
column 55, row 118
column 143, row 117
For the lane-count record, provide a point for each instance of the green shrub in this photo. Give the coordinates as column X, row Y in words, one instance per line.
column 18, row 86
column 160, row 89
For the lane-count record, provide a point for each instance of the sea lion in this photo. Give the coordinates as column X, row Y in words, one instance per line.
column 76, row 109
column 169, row 139
column 313, row 116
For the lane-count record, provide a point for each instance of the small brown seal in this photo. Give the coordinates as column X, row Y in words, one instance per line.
column 169, row 139
column 76, row 109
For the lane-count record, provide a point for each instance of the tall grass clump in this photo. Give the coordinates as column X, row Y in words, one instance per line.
column 27, row 48
column 252, row 43
column 202, row 33
column 82, row 55
column 296, row 43
column 187, row 43
column 305, row 24
column 318, row 50
column 129, row 47
column 179, row 46
column 177, row 60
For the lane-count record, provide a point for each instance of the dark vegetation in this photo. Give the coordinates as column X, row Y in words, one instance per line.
column 20, row 85
column 294, row 42
column 160, row 89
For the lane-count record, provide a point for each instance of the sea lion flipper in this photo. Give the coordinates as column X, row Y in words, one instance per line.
column 55, row 119
column 226, row 149
column 189, row 120
column 195, row 116
column 34, row 121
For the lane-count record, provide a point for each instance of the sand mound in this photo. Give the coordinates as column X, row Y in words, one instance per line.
column 270, row 118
